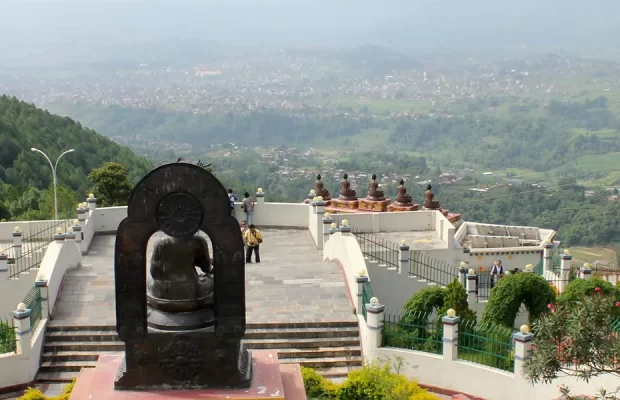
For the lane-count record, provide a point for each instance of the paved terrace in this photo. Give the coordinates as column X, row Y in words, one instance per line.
column 291, row 283
column 417, row 240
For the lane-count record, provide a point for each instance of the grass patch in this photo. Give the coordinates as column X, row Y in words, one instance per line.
column 592, row 254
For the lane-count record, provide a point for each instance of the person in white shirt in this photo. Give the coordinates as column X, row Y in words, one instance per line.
column 497, row 272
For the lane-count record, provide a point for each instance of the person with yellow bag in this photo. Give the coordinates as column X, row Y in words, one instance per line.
column 253, row 238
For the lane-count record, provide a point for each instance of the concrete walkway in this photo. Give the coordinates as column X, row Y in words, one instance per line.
column 291, row 284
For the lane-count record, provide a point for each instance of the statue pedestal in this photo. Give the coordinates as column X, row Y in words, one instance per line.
column 270, row 380
column 374, row 205
column 398, row 208
column 345, row 204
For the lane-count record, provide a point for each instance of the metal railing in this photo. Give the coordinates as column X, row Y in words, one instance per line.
column 427, row 268
column 383, row 251
column 615, row 325
column 367, row 294
column 486, row 345
column 415, row 331
column 7, row 336
column 33, row 302
column 484, row 283
column 34, row 246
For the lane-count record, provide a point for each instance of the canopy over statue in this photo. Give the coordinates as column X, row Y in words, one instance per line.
column 181, row 329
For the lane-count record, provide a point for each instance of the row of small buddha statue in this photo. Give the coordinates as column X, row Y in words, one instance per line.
column 374, row 193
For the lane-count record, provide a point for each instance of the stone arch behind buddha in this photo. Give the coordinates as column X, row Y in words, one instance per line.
column 178, row 199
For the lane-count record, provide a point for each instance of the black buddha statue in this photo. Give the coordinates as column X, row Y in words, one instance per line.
column 374, row 194
column 174, row 285
column 403, row 199
column 346, row 193
column 429, row 199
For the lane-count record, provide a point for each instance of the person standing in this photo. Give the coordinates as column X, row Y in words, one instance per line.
column 232, row 198
column 253, row 238
column 497, row 272
column 248, row 208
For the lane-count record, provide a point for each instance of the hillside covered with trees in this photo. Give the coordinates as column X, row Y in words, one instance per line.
column 26, row 177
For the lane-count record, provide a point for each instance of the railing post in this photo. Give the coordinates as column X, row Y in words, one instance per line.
column 374, row 323
column 23, row 332
column 463, row 274
column 18, row 238
column 4, row 265
column 92, row 202
column 586, row 272
column 523, row 348
column 547, row 257
column 403, row 264
column 319, row 210
column 260, row 196
column 81, row 214
column 59, row 237
column 41, row 283
column 345, row 229
column 333, row 228
column 450, row 335
column 359, row 307
column 565, row 272
column 79, row 235
column 472, row 286
column 327, row 221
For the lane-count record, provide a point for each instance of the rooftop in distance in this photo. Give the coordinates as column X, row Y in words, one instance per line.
column 474, row 235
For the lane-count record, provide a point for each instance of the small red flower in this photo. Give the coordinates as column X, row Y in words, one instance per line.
column 597, row 289
column 550, row 306
column 617, row 303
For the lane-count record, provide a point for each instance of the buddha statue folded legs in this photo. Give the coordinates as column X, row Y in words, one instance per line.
column 374, row 194
column 346, row 193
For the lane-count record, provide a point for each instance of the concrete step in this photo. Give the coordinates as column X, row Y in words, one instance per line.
column 87, row 346
column 71, row 356
column 320, row 352
column 327, row 362
column 301, row 343
column 56, row 377
column 337, row 373
column 66, row 366
column 270, row 333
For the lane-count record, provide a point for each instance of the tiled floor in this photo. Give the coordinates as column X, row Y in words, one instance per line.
column 291, row 283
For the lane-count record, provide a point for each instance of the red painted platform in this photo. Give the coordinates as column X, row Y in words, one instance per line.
column 268, row 382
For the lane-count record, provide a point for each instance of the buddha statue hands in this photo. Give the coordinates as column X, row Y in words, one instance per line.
column 374, row 194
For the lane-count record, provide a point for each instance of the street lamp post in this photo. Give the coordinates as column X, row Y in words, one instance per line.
column 53, row 166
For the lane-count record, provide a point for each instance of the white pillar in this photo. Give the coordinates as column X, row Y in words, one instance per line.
column 463, row 274
column 18, row 238
column 345, row 229
column 260, row 196
column 23, row 331
column 359, row 306
column 586, row 272
column 523, row 349
column 41, row 283
column 565, row 272
column 81, row 215
column 4, row 265
column 92, row 203
column 77, row 229
column 404, row 258
column 374, row 323
column 319, row 211
column 450, row 337
column 547, row 257
column 327, row 221
column 471, row 286
column 59, row 237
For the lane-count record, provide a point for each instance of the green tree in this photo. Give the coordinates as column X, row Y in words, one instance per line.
column 67, row 200
column 111, row 185
column 576, row 339
column 455, row 297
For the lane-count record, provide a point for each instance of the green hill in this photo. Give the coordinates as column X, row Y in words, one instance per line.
column 25, row 176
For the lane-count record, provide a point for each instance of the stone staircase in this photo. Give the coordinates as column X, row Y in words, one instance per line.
column 332, row 348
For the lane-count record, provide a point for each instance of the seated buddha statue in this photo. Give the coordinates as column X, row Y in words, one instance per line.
column 429, row 199
column 403, row 198
column 319, row 189
column 174, row 285
column 346, row 193
column 374, row 194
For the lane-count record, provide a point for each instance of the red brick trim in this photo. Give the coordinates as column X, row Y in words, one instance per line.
column 449, row 392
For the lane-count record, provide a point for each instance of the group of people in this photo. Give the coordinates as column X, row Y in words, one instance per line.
column 252, row 237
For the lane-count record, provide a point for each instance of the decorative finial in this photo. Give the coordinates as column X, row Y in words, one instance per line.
column 374, row 301
column 259, row 190
column 403, row 242
column 362, row 272
column 451, row 313
column 60, row 231
column 345, row 222
column 524, row 329
column 471, row 272
column 327, row 215
column 333, row 226
column 91, row 196
column 21, row 306
column 76, row 222
column 312, row 192
column 40, row 276
column 529, row 267
column 16, row 229
column 69, row 230
column 319, row 198
column 463, row 264
column 587, row 266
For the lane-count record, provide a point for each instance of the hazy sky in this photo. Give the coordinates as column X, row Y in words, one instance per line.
column 28, row 26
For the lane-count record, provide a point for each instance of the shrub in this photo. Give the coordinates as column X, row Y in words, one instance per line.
column 512, row 291
column 576, row 290
column 455, row 296
column 424, row 302
column 373, row 382
column 35, row 394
